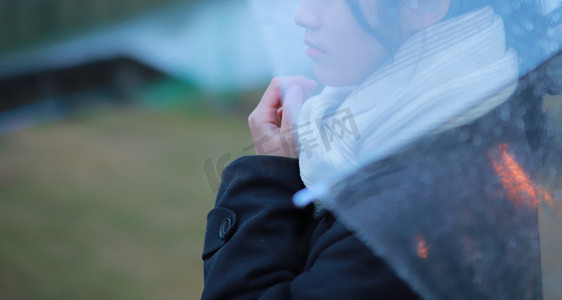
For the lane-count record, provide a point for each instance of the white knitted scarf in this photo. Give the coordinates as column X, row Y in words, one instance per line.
column 443, row 77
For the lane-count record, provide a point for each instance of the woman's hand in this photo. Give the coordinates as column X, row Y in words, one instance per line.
column 272, row 122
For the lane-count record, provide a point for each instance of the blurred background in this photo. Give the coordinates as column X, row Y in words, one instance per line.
column 116, row 119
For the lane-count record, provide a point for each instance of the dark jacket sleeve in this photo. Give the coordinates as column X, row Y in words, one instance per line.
column 254, row 235
column 258, row 245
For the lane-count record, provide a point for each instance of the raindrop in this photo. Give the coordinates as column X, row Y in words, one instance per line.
column 456, row 168
column 426, row 178
column 498, row 131
column 516, row 30
column 454, row 155
column 505, row 114
column 463, row 136
column 529, row 26
column 520, row 125
column 477, row 279
column 477, row 140
column 431, row 159
column 473, row 172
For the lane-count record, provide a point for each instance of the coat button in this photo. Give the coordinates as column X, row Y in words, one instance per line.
column 225, row 227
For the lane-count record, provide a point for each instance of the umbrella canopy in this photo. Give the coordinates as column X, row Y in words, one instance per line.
column 428, row 139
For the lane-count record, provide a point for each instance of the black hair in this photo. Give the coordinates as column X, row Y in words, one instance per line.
column 522, row 20
column 388, row 13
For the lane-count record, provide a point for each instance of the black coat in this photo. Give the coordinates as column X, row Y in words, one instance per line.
column 259, row 246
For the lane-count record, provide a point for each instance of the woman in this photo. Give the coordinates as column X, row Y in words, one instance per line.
column 412, row 156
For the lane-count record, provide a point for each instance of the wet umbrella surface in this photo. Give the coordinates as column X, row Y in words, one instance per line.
column 438, row 147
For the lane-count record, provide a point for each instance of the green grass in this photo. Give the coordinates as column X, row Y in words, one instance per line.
column 110, row 206
column 113, row 205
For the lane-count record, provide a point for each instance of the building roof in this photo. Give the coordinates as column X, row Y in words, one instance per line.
column 214, row 44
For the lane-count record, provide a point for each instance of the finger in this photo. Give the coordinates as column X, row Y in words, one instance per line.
column 291, row 106
column 267, row 109
column 304, row 83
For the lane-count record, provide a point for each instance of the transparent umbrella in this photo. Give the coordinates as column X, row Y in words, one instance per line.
column 435, row 137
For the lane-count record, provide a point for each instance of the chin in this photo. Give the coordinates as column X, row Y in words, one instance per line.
column 336, row 78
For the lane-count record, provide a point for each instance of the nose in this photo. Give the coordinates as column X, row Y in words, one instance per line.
column 306, row 16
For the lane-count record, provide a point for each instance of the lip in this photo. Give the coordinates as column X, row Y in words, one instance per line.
column 313, row 50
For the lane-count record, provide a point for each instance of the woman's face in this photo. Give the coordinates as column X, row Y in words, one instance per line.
column 342, row 51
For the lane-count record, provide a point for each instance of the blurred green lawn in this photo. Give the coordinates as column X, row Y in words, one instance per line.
column 112, row 205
